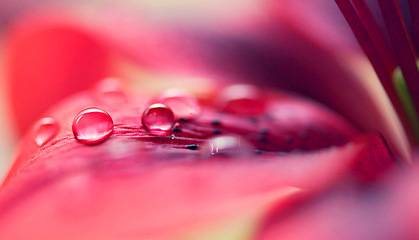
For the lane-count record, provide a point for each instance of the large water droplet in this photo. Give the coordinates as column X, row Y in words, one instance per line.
column 110, row 89
column 242, row 99
column 92, row 125
column 182, row 103
column 45, row 130
column 158, row 119
column 228, row 145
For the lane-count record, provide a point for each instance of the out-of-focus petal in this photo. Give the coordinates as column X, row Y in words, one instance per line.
column 48, row 58
column 387, row 210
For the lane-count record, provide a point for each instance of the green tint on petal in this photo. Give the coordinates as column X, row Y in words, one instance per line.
column 406, row 100
column 242, row 226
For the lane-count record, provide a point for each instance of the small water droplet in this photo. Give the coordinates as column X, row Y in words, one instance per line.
column 242, row 99
column 183, row 104
column 228, row 145
column 45, row 130
column 92, row 125
column 158, row 119
column 110, row 89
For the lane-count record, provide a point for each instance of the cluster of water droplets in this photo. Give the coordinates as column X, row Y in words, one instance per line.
column 94, row 125
column 173, row 104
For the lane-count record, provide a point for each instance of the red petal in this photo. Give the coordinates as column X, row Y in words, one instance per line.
column 83, row 193
column 131, row 188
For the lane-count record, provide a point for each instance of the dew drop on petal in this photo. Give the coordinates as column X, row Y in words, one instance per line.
column 92, row 125
column 110, row 89
column 228, row 145
column 158, row 119
column 242, row 99
column 182, row 103
column 45, row 130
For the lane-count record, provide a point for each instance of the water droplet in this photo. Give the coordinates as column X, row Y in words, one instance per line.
column 182, row 103
column 92, row 125
column 228, row 145
column 110, row 89
column 45, row 130
column 242, row 99
column 158, row 119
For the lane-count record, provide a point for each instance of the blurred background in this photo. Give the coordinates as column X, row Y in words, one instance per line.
column 8, row 137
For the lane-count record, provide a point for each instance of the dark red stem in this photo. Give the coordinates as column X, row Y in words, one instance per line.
column 377, row 36
column 414, row 14
column 372, row 53
column 402, row 47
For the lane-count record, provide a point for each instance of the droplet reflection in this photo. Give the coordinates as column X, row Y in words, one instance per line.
column 228, row 145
